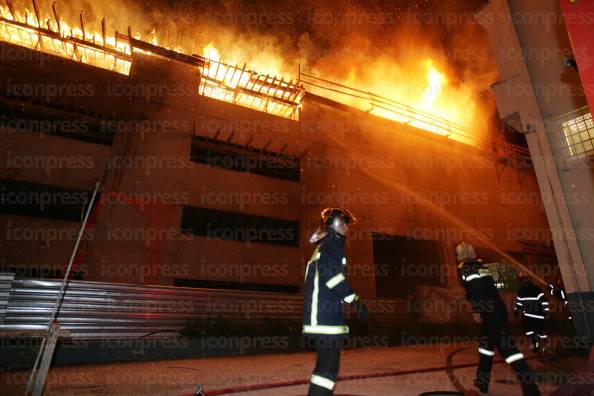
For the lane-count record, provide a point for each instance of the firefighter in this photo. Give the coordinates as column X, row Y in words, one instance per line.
column 489, row 310
column 533, row 305
column 559, row 292
column 326, row 292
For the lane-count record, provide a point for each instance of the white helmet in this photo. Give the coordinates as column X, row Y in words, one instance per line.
column 331, row 218
column 465, row 251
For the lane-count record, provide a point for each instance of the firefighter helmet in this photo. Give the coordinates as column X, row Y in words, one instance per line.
column 523, row 277
column 328, row 215
column 465, row 251
column 332, row 218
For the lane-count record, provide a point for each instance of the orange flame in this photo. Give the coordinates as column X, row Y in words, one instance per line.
column 423, row 88
column 61, row 39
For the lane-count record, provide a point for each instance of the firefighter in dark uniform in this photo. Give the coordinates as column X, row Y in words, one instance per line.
column 533, row 305
column 327, row 290
column 559, row 292
column 489, row 310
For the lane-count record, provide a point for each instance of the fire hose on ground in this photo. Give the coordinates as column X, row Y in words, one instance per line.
column 449, row 367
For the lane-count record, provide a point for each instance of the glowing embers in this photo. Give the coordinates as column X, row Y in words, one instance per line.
column 251, row 89
column 56, row 37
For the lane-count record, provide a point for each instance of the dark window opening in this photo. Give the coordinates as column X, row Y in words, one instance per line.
column 261, row 287
column 226, row 155
column 41, row 200
column 32, row 115
column 402, row 263
column 218, row 224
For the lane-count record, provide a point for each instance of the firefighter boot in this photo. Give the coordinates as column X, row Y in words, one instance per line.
column 530, row 390
column 481, row 386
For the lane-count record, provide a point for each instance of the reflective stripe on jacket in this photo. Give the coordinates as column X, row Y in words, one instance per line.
column 327, row 289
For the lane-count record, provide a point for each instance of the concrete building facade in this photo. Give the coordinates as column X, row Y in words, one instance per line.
column 198, row 192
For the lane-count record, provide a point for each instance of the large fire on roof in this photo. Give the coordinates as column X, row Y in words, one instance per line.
column 113, row 51
column 423, row 97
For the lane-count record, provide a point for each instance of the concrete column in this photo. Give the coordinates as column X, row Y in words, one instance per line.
column 519, row 95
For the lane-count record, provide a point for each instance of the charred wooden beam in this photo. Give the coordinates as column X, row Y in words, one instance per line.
column 230, row 138
column 115, row 53
column 82, row 25
column 37, row 15
column 11, row 9
column 57, row 16
column 164, row 52
column 103, row 34
column 249, row 142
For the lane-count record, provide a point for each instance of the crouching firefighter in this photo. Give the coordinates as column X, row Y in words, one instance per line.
column 533, row 305
column 326, row 292
column 489, row 310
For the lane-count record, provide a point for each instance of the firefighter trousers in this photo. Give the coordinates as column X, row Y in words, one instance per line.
column 324, row 375
column 495, row 336
column 534, row 328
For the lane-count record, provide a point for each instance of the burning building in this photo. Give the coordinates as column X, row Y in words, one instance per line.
column 213, row 175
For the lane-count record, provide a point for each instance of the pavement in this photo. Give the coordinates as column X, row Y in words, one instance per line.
column 180, row 377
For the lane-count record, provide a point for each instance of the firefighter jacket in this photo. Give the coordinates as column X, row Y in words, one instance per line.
column 327, row 289
column 531, row 301
column 558, row 292
column 481, row 291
